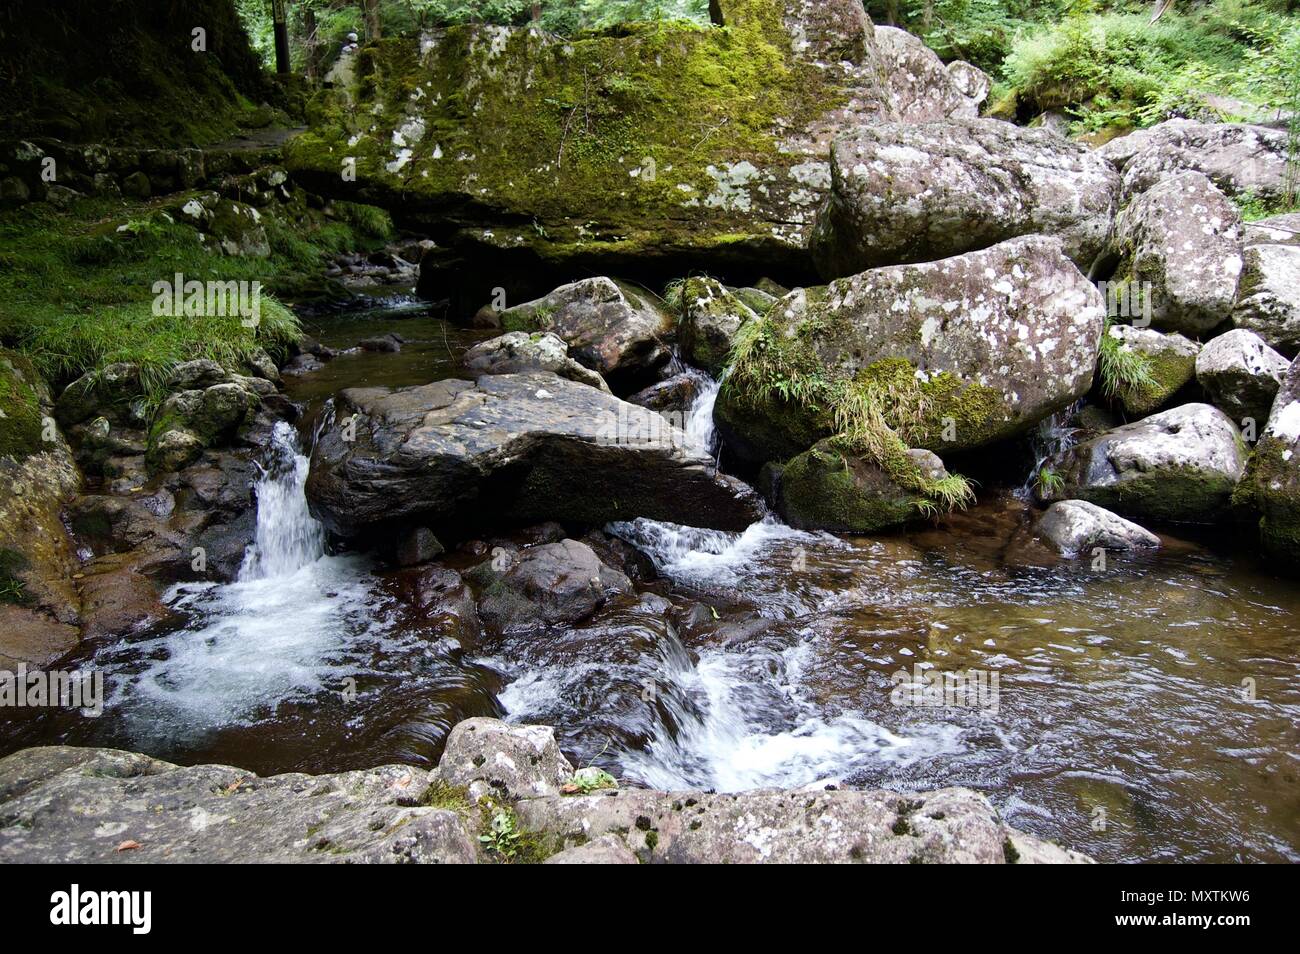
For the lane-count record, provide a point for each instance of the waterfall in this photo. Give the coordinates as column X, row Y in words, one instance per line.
column 700, row 433
column 1052, row 436
column 288, row 537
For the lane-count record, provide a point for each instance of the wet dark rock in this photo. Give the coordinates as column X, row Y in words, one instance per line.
column 118, row 600
column 516, row 447
column 442, row 602
column 673, row 395
column 389, row 343
column 544, row 585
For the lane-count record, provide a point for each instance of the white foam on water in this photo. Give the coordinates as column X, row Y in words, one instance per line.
column 278, row 633
column 694, row 555
column 701, row 435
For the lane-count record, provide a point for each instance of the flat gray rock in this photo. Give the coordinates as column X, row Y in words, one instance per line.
column 517, row 447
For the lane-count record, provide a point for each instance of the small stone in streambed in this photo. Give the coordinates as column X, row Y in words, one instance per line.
column 418, row 546
column 385, row 343
column 1073, row 527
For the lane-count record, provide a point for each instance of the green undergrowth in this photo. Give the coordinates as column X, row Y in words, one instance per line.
column 77, row 287
column 871, row 414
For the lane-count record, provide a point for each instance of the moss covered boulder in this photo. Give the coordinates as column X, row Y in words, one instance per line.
column 211, row 410
column 950, row 355
column 903, row 192
column 1269, row 493
column 825, row 489
column 1268, row 298
column 710, row 317
column 1178, row 466
column 664, row 139
column 1169, row 360
column 1180, row 250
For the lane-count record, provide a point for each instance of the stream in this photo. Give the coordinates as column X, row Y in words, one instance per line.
column 1144, row 711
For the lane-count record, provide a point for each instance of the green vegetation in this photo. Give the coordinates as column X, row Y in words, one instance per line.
column 1049, row 482
column 873, row 414
column 504, row 838
column 12, row 590
column 77, row 288
column 1123, row 369
column 1108, row 66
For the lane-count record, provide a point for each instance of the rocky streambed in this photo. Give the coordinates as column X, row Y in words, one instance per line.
column 978, row 545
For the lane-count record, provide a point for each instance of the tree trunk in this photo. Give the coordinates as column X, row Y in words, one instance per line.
column 311, row 43
column 281, row 28
column 372, row 20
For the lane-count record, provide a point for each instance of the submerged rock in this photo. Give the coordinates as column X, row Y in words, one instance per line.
column 610, row 327
column 1075, row 526
column 1182, row 239
column 1179, row 465
column 524, row 447
column 1268, row 298
column 1171, row 363
column 955, row 354
column 911, row 193
column 1269, row 493
column 1241, row 373
column 520, row 351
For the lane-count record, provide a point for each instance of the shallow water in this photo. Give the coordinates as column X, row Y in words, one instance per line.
column 1147, row 710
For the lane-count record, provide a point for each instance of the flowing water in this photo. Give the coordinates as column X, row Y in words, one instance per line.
column 1144, row 710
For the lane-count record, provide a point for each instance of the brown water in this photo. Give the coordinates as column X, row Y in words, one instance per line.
column 1123, row 723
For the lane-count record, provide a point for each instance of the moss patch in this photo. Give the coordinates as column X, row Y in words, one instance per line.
column 20, row 409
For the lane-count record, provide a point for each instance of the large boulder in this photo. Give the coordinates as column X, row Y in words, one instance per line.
column 711, row 316
column 1171, row 363
column 1073, row 527
column 38, row 598
column 521, row 351
column 1241, row 374
column 1269, row 493
column 1268, row 298
column 1180, row 242
column 951, row 354
column 510, row 447
column 609, row 326
column 920, row 87
column 825, row 489
column 83, row 805
column 189, row 421
column 640, row 145
column 1242, row 160
column 1178, row 466
column 911, row 193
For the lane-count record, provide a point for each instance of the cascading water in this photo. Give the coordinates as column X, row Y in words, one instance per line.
column 1052, row 436
column 700, row 432
column 288, row 538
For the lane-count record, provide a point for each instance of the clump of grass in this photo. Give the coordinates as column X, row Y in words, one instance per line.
column 1049, row 481
column 1123, row 369
column 368, row 220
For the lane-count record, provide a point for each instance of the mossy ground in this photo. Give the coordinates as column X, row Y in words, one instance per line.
column 76, row 288
column 20, row 409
